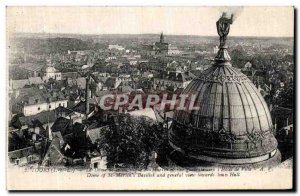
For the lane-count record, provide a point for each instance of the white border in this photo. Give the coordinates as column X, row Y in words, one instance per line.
column 5, row 3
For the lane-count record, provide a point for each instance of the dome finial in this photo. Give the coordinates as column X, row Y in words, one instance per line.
column 223, row 27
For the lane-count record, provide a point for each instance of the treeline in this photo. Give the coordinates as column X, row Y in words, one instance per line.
column 41, row 46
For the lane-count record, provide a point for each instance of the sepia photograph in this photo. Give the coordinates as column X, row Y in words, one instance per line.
column 150, row 98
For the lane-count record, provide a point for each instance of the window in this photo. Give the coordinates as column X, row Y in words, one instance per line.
column 49, row 106
column 17, row 161
column 59, row 104
column 39, row 108
column 30, row 158
column 96, row 165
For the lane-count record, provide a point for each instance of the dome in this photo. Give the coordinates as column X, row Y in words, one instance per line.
column 233, row 123
column 233, row 120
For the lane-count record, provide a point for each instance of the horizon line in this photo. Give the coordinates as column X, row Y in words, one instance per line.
column 91, row 34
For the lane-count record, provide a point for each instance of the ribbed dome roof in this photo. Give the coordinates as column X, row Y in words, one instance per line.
column 228, row 97
column 233, row 121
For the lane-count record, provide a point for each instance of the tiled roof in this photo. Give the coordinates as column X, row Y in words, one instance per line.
column 78, row 129
column 21, row 153
column 110, row 82
column 32, row 96
column 96, row 133
column 43, row 117
column 80, row 82
column 33, row 66
column 161, row 46
column 35, row 80
column 65, row 111
column 81, row 107
column 53, row 155
column 60, row 124
column 68, row 70
column 126, row 88
column 18, row 84
column 176, row 76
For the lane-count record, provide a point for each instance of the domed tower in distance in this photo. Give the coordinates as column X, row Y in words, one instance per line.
column 233, row 124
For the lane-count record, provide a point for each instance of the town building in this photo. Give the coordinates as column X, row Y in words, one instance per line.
column 115, row 47
column 51, row 72
column 33, row 69
column 31, row 101
column 23, row 156
column 172, row 80
column 19, row 84
column 162, row 47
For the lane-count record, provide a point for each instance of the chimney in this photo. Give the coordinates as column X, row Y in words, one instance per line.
column 87, row 95
column 275, row 125
column 17, row 93
column 71, row 120
column 291, row 130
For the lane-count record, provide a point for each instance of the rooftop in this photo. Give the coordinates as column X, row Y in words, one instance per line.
column 35, row 80
column 81, row 107
column 43, row 117
column 60, row 124
column 18, row 84
column 176, row 76
column 32, row 96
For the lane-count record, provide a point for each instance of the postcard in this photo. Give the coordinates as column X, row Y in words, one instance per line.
column 150, row 98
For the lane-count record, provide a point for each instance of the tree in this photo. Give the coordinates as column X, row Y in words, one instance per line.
column 130, row 141
column 238, row 58
column 286, row 97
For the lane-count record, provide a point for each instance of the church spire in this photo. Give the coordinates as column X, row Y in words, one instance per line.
column 162, row 38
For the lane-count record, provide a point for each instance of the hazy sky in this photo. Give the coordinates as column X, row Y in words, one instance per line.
column 251, row 21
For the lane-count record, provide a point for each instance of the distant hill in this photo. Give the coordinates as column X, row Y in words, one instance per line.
column 36, row 45
column 42, row 43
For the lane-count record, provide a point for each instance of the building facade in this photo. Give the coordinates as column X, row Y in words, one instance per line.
column 51, row 72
